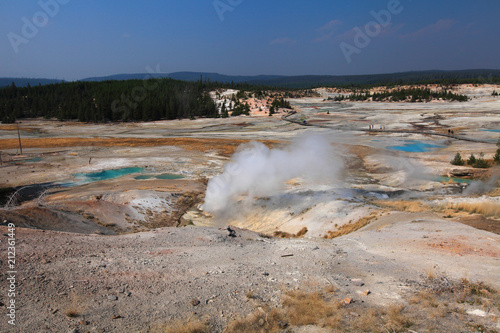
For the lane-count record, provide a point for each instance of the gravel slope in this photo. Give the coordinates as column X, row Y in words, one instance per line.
column 137, row 282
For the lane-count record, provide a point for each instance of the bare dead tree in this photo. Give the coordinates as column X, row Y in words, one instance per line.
column 41, row 198
column 14, row 198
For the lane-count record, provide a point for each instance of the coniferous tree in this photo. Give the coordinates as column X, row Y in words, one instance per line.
column 472, row 160
column 496, row 158
column 457, row 160
column 223, row 111
column 481, row 162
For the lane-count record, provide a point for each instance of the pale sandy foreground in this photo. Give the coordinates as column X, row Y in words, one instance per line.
column 139, row 282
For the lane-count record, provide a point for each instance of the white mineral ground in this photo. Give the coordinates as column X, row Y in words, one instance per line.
column 82, row 244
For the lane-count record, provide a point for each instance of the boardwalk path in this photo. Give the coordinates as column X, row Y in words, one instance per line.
column 457, row 137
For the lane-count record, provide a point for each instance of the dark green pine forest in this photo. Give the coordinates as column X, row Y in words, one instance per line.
column 411, row 94
column 130, row 100
column 166, row 98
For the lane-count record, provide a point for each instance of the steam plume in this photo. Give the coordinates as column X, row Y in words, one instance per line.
column 482, row 187
column 256, row 170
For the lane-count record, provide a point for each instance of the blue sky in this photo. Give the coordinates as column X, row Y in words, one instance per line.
column 82, row 38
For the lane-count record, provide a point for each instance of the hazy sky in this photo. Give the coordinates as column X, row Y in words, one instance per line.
column 74, row 39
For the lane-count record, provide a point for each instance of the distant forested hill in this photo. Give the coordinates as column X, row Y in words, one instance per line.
column 298, row 82
column 443, row 77
column 309, row 81
column 23, row 82
column 187, row 76
column 109, row 101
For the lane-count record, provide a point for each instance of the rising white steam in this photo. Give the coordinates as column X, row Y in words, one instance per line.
column 483, row 187
column 256, row 170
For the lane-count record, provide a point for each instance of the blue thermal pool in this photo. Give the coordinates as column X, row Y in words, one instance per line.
column 31, row 160
column 34, row 159
column 415, row 147
column 488, row 130
column 107, row 174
